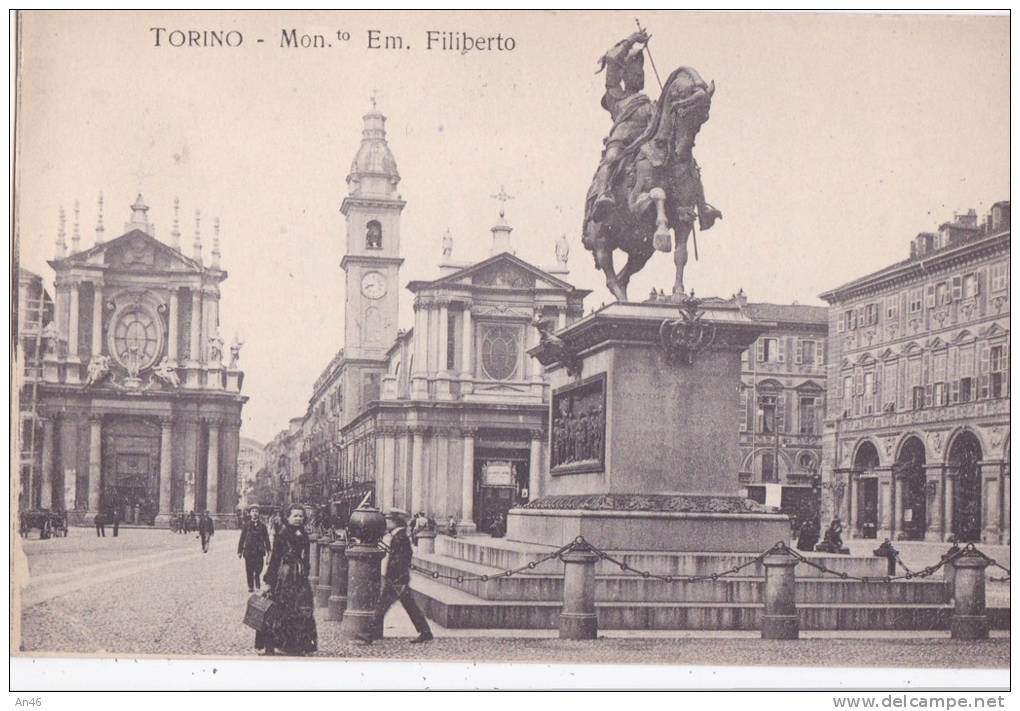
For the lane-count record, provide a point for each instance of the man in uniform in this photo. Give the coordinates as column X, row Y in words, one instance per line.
column 253, row 546
column 396, row 584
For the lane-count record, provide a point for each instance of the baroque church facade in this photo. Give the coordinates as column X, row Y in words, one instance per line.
column 448, row 416
column 139, row 414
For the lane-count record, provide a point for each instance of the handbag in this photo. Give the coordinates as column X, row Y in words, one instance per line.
column 256, row 614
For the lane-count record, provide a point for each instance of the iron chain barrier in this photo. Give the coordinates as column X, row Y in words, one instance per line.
column 780, row 547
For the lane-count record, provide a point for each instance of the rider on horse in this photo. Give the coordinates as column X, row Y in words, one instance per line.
column 631, row 111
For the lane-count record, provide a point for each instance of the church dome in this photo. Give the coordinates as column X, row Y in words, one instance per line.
column 373, row 159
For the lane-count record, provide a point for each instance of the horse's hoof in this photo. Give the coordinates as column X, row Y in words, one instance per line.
column 662, row 241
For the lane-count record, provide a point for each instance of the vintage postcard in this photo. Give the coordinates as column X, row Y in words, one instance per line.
column 676, row 340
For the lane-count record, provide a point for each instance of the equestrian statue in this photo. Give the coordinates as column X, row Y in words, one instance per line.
column 647, row 180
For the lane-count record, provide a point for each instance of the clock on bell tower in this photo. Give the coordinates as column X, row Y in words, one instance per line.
column 371, row 260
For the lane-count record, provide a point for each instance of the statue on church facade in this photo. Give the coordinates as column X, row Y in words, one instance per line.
column 98, row 368
column 447, row 244
column 166, row 372
column 647, row 180
column 235, row 352
column 562, row 250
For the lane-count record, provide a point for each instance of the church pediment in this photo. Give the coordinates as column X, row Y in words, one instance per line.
column 135, row 251
column 504, row 271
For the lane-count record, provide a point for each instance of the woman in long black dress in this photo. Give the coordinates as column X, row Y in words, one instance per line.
column 291, row 625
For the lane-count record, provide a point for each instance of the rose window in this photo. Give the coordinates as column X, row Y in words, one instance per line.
column 500, row 353
column 136, row 339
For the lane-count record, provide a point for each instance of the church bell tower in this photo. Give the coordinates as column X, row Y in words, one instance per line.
column 371, row 261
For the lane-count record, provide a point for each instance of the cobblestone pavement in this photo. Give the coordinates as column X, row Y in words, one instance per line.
column 150, row 592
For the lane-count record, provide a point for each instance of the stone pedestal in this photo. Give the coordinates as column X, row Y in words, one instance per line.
column 970, row 619
column 643, row 452
column 325, row 586
column 362, row 590
column 779, row 619
column 427, row 542
column 578, row 619
column 337, row 602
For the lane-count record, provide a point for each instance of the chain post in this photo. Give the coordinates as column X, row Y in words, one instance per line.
column 337, row 602
column 970, row 618
column 325, row 586
column 779, row 618
column 578, row 618
column 427, row 542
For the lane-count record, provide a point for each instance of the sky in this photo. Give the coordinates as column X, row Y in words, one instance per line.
column 833, row 140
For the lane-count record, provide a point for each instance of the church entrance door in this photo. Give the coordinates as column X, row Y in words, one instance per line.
column 131, row 469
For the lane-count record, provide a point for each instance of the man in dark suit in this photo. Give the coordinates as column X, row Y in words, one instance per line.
column 253, row 546
column 205, row 530
column 100, row 524
column 396, row 584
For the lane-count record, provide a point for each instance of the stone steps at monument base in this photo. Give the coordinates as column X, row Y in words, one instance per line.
column 623, row 587
column 506, row 555
column 456, row 609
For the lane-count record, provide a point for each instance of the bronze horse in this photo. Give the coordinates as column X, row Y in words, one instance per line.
column 656, row 184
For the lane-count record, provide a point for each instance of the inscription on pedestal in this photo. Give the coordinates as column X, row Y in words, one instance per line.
column 578, row 427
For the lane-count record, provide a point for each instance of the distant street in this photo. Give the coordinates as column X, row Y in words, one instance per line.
column 151, row 592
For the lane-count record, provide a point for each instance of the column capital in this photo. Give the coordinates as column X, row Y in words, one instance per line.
column 536, row 433
column 166, row 420
column 418, row 430
column 95, row 418
column 213, row 420
column 469, row 432
column 443, row 302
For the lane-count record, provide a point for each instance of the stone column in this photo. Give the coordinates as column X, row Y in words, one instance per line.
column 97, row 318
column 933, row 531
column 212, row 471
column 970, row 618
column 467, row 484
column 443, row 336
column 386, row 469
column 535, row 462
column 898, row 522
column 441, row 448
column 72, row 324
column 948, row 494
column 852, row 506
column 166, row 468
column 362, row 590
column 427, row 542
column 418, row 473
column 1005, row 505
column 419, row 384
column 579, row 619
column 173, row 315
column 325, row 587
column 190, row 465
column 990, row 492
column 779, row 618
column 313, row 563
column 337, row 602
column 95, row 460
column 885, row 497
column 46, row 475
column 196, row 324
column 561, row 319
column 442, row 341
column 467, row 343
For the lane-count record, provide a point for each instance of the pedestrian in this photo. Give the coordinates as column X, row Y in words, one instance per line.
column 190, row 523
column 100, row 522
column 451, row 527
column 116, row 521
column 205, row 530
column 290, row 624
column 396, row 583
column 253, row 546
column 807, row 538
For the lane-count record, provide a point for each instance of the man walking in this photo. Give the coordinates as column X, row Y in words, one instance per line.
column 253, row 546
column 396, row 584
column 100, row 521
column 205, row 530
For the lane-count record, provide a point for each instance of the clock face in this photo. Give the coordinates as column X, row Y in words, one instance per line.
column 373, row 285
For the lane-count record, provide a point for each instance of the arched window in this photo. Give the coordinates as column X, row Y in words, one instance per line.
column 768, row 468
column 805, row 461
column 373, row 235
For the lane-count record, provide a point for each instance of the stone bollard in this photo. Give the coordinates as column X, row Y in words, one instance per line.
column 969, row 620
column 363, row 573
column 313, row 561
column 427, row 542
column 338, row 577
column 578, row 619
column 779, row 619
column 325, row 586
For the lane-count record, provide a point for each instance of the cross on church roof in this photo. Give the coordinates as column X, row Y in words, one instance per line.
column 502, row 197
column 373, row 98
